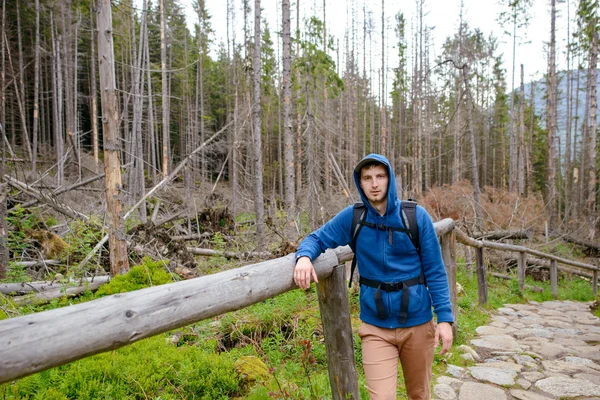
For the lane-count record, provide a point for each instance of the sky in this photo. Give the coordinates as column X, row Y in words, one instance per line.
column 441, row 14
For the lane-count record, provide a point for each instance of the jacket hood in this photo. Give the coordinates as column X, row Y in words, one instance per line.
column 392, row 194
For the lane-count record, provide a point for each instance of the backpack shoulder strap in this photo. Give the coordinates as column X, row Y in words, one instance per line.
column 408, row 211
column 359, row 213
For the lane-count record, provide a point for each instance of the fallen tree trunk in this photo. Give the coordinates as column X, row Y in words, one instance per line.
column 35, row 342
column 44, row 286
column 50, row 201
column 37, row 263
column 580, row 242
column 67, row 189
column 229, row 254
column 501, row 235
column 57, row 292
column 195, row 236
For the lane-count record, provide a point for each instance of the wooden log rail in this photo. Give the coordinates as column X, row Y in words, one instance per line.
column 522, row 252
column 36, row 342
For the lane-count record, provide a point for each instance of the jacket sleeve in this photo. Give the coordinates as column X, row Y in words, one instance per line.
column 433, row 267
column 336, row 232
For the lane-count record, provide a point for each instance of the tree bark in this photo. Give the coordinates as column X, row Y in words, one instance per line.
column 288, row 146
column 36, row 88
column 93, row 86
column 257, row 142
column 592, row 142
column 166, row 140
column 119, row 263
column 552, row 87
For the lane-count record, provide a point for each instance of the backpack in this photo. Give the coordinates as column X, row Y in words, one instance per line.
column 408, row 212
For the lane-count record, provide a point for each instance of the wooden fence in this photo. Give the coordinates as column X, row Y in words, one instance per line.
column 36, row 342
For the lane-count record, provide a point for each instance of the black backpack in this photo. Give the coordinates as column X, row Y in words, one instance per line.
column 408, row 212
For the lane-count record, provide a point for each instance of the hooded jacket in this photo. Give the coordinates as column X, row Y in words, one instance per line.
column 389, row 256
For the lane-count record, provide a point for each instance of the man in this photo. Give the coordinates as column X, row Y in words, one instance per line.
column 393, row 327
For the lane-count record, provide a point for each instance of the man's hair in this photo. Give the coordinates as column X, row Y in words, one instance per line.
column 370, row 164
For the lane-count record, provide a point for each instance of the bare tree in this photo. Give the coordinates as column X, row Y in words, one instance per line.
column 36, row 88
column 521, row 159
column 117, row 245
column 288, row 146
column 166, row 144
column 258, row 178
column 551, row 118
column 93, row 94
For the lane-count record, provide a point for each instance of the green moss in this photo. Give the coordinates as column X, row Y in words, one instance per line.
column 149, row 273
column 151, row 368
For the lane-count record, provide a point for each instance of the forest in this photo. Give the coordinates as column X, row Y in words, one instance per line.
column 262, row 131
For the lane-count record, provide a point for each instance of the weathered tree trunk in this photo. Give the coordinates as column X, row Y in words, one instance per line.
column 117, row 245
column 474, row 166
column 530, row 139
column 36, row 88
column 151, row 133
column 93, row 85
column 552, row 88
column 298, row 111
column 258, row 178
column 166, row 140
column 20, row 88
column 592, row 142
column 288, row 146
column 57, row 109
column 521, row 160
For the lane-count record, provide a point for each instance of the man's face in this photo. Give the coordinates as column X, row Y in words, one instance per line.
column 374, row 182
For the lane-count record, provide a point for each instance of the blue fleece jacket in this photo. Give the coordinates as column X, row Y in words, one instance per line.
column 385, row 260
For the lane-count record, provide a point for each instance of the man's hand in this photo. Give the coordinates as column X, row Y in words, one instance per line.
column 444, row 332
column 303, row 271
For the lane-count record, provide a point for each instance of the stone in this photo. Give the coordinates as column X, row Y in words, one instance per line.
column 444, row 392
column 532, row 376
column 524, row 383
column 509, row 312
column 498, row 376
column 524, row 395
column 567, row 387
column 582, row 361
column 502, row 364
column 594, row 378
column 569, row 341
column 497, row 342
column 468, row 350
column 550, row 351
column 563, row 367
column 452, row 382
column 467, row 357
column 455, row 371
column 537, row 332
column 591, row 352
column 478, row 391
column 487, row 330
column 523, row 359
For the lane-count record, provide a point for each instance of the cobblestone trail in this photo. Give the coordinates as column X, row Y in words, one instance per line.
column 534, row 351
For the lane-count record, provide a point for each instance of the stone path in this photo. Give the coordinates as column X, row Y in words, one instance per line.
column 534, row 351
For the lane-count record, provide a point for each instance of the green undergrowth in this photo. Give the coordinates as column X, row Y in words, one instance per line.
column 273, row 349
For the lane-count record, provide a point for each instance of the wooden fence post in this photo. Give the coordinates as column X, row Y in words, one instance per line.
column 595, row 283
column 337, row 329
column 521, row 265
column 448, row 244
column 554, row 277
column 481, row 276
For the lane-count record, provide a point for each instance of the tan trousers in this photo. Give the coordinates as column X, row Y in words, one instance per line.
column 381, row 350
